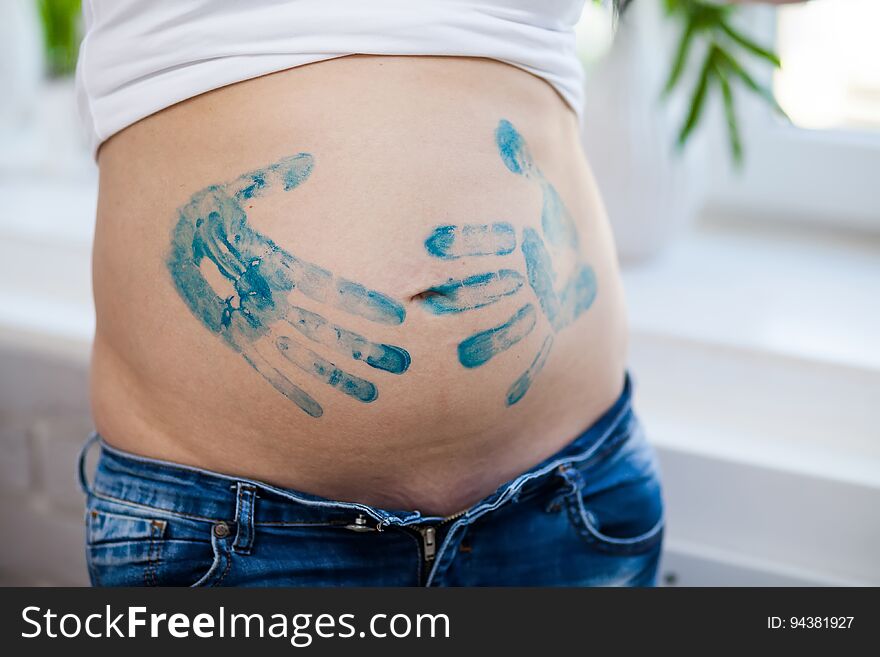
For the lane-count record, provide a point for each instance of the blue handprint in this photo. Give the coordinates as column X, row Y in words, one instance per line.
column 255, row 317
column 560, row 304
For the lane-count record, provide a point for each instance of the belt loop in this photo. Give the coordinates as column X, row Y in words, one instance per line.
column 571, row 476
column 83, row 455
column 246, row 495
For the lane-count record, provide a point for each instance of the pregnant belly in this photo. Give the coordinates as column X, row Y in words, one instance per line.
column 385, row 280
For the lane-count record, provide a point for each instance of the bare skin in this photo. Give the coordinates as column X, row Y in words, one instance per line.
column 400, row 146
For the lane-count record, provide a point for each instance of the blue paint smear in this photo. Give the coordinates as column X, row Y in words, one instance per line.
column 557, row 223
column 577, row 296
column 539, row 270
column 354, row 298
column 579, row 291
column 282, row 384
column 513, row 150
column 348, row 343
column 474, row 292
column 450, row 242
column 290, row 172
column 213, row 228
column 521, row 386
column 325, row 371
column 561, row 306
column 483, row 346
column 324, row 287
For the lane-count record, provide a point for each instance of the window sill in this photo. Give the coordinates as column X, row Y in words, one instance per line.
column 792, row 291
column 760, row 344
column 758, row 378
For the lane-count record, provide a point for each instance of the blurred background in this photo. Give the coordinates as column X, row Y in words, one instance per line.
column 751, row 261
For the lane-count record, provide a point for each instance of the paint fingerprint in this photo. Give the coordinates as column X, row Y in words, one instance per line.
column 521, row 386
column 513, row 150
column 450, row 242
column 324, row 287
column 354, row 298
column 348, row 343
column 474, row 292
column 485, row 345
column 577, row 296
column 213, row 230
column 540, row 274
column 288, row 173
column 556, row 221
column 281, row 383
column 325, row 371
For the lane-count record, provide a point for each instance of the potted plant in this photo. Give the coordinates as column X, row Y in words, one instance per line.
column 641, row 112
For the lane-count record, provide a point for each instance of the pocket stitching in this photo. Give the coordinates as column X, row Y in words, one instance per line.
column 153, row 509
column 155, row 548
column 580, row 519
column 225, row 570
column 210, row 579
column 91, row 515
column 93, row 572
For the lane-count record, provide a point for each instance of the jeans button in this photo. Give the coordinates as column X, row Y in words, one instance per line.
column 221, row 530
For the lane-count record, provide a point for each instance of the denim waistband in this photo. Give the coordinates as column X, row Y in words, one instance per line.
column 196, row 493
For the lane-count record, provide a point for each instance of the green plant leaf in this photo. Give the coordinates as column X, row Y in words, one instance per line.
column 733, row 134
column 707, row 23
column 60, row 20
column 698, row 99
column 736, row 68
column 707, row 16
column 750, row 45
column 680, row 59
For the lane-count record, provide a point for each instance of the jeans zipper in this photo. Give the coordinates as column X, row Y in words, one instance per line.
column 429, row 542
column 428, row 534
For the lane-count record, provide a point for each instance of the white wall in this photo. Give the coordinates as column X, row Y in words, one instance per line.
column 44, row 418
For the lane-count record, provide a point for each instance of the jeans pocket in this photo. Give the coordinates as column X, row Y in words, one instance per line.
column 138, row 546
column 618, row 508
column 122, row 550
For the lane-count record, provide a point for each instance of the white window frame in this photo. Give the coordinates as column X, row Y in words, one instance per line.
column 828, row 177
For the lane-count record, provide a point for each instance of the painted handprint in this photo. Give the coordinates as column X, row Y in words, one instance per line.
column 560, row 302
column 255, row 315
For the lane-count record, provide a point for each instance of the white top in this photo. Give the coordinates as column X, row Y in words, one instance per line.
column 140, row 56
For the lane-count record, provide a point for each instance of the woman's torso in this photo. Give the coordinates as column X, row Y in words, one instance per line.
column 389, row 212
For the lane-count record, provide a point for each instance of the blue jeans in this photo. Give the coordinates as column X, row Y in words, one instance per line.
column 590, row 515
